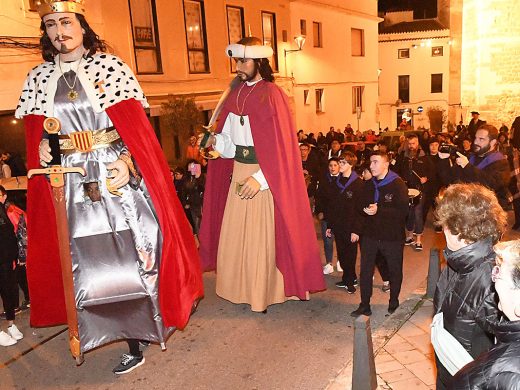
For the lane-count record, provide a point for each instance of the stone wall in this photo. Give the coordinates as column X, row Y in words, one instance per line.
column 491, row 59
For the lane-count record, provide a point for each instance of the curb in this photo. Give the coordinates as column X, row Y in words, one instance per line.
column 343, row 379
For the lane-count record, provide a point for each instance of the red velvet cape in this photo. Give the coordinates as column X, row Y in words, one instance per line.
column 276, row 147
column 180, row 279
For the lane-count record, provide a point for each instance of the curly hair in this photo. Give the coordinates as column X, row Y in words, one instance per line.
column 91, row 41
column 472, row 212
column 509, row 252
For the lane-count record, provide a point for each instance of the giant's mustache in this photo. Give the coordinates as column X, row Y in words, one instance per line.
column 62, row 38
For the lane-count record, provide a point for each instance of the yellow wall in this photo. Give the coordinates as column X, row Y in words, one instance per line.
column 491, row 59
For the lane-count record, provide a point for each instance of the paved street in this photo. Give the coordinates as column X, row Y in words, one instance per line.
column 297, row 345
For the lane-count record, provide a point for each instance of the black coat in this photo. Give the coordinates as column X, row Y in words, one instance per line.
column 497, row 369
column 344, row 211
column 388, row 224
column 495, row 176
column 8, row 242
column 465, row 294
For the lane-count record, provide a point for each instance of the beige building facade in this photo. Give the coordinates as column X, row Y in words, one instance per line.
column 414, row 63
column 174, row 47
column 177, row 48
column 336, row 71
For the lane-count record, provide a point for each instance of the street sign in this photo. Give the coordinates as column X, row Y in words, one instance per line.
column 420, row 109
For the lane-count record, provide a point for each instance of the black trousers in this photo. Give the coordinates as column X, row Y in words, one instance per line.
column 21, row 276
column 8, row 289
column 382, row 266
column 347, row 253
column 392, row 251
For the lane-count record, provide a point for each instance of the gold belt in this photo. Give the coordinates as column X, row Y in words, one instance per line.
column 86, row 141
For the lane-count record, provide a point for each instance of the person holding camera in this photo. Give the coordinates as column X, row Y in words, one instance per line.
column 486, row 165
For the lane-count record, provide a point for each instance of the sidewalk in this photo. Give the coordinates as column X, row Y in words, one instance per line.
column 404, row 357
column 407, row 360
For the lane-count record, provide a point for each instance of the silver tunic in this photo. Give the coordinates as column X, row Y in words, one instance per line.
column 113, row 240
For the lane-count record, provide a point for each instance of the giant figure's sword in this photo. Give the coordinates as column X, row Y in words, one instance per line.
column 57, row 176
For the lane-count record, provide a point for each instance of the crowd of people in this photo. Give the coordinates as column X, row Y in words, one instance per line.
column 402, row 182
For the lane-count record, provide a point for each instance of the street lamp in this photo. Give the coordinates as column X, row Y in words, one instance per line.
column 300, row 41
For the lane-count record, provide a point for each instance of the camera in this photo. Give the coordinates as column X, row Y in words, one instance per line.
column 448, row 148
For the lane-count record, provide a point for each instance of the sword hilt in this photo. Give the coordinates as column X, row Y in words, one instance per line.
column 56, row 173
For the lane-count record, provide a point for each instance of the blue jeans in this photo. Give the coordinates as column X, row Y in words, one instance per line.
column 327, row 242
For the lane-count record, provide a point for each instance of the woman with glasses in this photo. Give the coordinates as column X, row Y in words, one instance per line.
column 472, row 221
column 500, row 367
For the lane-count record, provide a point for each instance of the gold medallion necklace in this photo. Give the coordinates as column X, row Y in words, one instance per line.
column 241, row 111
column 72, row 94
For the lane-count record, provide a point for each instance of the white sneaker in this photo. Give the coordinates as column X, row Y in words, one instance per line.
column 6, row 340
column 14, row 332
column 338, row 267
column 328, row 269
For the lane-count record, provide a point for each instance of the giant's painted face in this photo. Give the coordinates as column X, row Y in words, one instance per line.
column 64, row 31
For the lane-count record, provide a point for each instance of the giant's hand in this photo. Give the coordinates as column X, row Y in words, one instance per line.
column 122, row 174
column 44, row 151
column 250, row 188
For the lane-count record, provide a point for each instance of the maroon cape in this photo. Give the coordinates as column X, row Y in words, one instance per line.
column 180, row 279
column 276, row 147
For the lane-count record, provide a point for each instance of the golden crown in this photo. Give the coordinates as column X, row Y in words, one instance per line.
column 46, row 7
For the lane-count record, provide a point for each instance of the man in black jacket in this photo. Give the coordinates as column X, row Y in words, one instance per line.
column 344, row 218
column 386, row 205
column 474, row 124
column 486, row 166
column 416, row 172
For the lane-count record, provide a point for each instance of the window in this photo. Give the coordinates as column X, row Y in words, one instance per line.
column 357, row 98
column 319, row 101
column 437, row 83
column 404, row 89
column 303, row 27
column 147, row 52
column 437, row 51
column 269, row 35
column 358, row 42
column 195, row 25
column 235, row 21
column 403, row 53
column 306, row 97
column 316, row 34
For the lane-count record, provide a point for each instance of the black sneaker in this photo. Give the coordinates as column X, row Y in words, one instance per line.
column 341, row 284
column 351, row 289
column 418, row 246
column 409, row 241
column 361, row 311
column 25, row 305
column 386, row 287
column 128, row 363
column 355, row 282
column 393, row 307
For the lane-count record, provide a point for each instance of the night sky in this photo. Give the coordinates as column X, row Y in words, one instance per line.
column 422, row 8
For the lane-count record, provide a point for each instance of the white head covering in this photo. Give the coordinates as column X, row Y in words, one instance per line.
column 237, row 50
